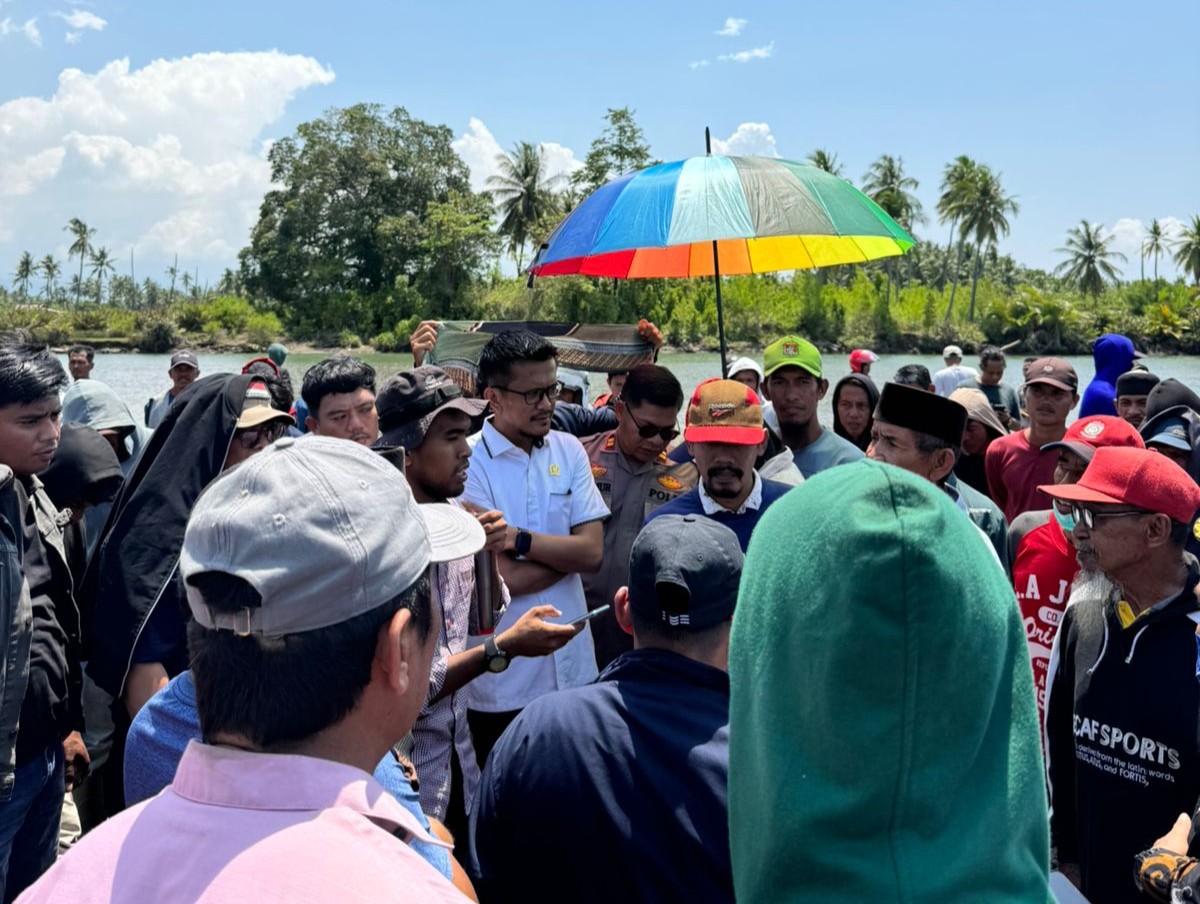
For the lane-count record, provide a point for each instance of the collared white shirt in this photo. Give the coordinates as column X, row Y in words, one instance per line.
column 548, row 491
column 753, row 501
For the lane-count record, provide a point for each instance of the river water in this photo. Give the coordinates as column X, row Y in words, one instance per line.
column 137, row 377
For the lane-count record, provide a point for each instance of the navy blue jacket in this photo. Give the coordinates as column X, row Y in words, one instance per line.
column 615, row 791
column 742, row 525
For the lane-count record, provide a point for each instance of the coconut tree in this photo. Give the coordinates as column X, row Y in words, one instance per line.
column 173, row 272
column 81, row 245
column 886, row 184
column 50, row 270
column 102, row 265
column 1187, row 250
column 523, row 194
column 958, row 183
column 826, row 160
column 1155, row 244
column 1090, row 257
column 984, row 219
column 23, row 275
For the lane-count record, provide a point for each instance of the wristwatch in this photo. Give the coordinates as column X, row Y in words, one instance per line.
column 523, row 541
column 495, row 660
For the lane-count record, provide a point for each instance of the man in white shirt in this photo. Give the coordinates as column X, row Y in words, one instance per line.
column 946, row 380
column 541, row 480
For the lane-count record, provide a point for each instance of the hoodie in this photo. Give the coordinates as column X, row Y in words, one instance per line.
column 866, row 383
column 1113, row 355
column 95, row 404
column 132, row 579
column 883, row 736
column 1122, row 734
column 84, row 475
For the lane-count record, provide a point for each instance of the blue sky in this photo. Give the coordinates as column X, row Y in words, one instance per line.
column 157, row 137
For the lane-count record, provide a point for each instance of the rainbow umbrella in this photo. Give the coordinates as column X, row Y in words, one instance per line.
column 709, row 215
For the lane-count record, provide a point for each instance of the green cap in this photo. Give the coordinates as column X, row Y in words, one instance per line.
column 792, row 351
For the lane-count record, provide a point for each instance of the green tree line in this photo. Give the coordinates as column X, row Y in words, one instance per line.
column 371, row 225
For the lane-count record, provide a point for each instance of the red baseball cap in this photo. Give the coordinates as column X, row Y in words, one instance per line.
column 1088, row 434
column 724, row 411
column 1137, row 477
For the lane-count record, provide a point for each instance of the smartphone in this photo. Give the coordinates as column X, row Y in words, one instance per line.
column 588, row 615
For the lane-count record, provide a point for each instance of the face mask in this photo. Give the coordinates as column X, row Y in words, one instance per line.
column 1066, row 522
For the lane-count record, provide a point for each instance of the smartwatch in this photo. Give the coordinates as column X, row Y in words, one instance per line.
column 495, row 660
column 523, row 541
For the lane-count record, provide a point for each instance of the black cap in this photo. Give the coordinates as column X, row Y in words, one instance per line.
column 1170, row 393
column 410, row 401
column 684, row 571
column 1136, row 383
column 922, row 411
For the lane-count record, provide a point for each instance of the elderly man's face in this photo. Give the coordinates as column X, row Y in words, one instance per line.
column 899, row 446
column 1116, row 540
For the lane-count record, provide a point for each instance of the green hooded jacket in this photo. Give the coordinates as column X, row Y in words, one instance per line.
column 883, row 735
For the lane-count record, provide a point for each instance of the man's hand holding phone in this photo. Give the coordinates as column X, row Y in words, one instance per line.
column 532, row 635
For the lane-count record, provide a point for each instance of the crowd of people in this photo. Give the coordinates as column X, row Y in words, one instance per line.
column 385, row 640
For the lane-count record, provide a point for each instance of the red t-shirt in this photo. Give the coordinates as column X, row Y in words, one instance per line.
column 1015, row 470
column 1042, row 571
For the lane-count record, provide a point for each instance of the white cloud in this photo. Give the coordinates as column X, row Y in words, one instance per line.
column 732, row 28
column 28, row 28
column 1128, row 234
column 479, row 150
column 697, row 64
column 750, row 139
column 79, row 19
column 745, row 56
column 134, row 153
column 74, row 37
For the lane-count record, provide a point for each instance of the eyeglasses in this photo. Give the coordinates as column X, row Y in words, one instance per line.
column 646, row 431
column 1087, row 517
column 252, row 436
column 533, row 396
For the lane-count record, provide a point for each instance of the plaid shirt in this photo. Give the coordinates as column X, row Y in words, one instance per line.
column 443, row 723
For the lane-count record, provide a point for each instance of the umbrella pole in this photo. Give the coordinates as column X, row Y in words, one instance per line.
column 717, row 273
column 720, row 308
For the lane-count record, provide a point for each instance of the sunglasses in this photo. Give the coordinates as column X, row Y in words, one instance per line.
column 646, row 431
column 1088, row 518
column 252, row 436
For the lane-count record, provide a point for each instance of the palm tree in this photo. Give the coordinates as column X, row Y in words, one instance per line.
column 886, row 185
column 81, row 246
column 957, row 185
column 50, row 270
column 823, row 159
column 984, row 218
column 1187, row 249
column 1089, row 264
column 173, row 272
column 23, row 275
column 102, row 264
column 523, row 194
column 1154, row 245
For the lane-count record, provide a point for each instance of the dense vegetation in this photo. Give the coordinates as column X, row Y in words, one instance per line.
column 371, row 225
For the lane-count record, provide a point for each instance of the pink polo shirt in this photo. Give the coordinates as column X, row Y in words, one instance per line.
column 252, row 827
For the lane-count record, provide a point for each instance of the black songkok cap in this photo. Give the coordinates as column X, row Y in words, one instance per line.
column 1136, row 382
column 922, row 411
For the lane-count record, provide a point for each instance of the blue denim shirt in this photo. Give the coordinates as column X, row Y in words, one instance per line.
column 16, row 616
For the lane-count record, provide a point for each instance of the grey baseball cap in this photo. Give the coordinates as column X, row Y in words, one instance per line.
column 324, row 529
column 684, row 570
column 409, row 402
column 184, row 357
